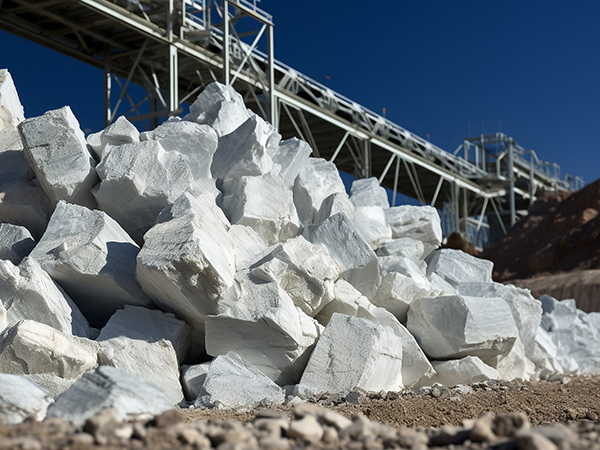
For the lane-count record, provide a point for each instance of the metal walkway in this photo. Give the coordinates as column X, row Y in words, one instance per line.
column 173, row 48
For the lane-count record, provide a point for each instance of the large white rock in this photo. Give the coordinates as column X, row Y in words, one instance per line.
column 397, row 291
column 188, row 261
column 368, row 192
column 3, row 317
column 262, row 203
column 192, row 379
column 129, row 396
column 246, row 151
column 16, row 242
column 197, row 143
column 93, row 260
column 336, row 203
column 353, row 353
column 260, row 322
column 316, row 181
column 289, row 158
column 247, row 244
column 53, row 383
column 140, row 341
column 451, row 327
column 118, row 133
column 370, row 223
column 417, row 222
column 350, row 302
column 221, row 107
column 467, row 370
column 515, row 364
column 227, row 374
column 30, row 347
column 21, row 398
column 409, row 248
column 22, row 201
column 304, row 270
column 11, row 110
column 358, row 262
column 28, row 293
column 457, row 267
column 56, row 150
column 138, row 181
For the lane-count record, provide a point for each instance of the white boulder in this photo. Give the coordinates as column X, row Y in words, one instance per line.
column 262, row 203
column 129, row 396
column 336, row 203
column 409, row 248
column 247, row 244
column 93, row 260
column 417, row 222
column 246, row 151
column 368, row 192
column 451, row 327
column 221, row 107
column 11, row 110
column 353, row 353
column 467, row 370
column 21, row 398
column 197, row 143
column 138, row 181
column 316, row 181
column 370, row 223
column 260, row 322
column 56, row 150
column 28, row 293
column 192, row 379
column 226, row 374
column 16, row 242
column 397, row 291
column 304, row 270
column 345, row 245
column 289, row 158
column 118, row 133
column 457, row 267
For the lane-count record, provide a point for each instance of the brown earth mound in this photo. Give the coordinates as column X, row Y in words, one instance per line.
column 560, row 234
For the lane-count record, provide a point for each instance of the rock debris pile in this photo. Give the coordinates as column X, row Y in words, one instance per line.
column 209, row 261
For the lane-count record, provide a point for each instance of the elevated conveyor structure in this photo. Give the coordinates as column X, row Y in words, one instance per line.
column 174, row 48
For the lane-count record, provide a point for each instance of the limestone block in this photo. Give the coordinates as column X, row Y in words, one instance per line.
column 557, row 314
column 260, row 322
column 247, row 243
column 140, row 341
column 138, row 181
column 11, row 110
column 345, row 245
column 336, row 203
column 3, row 317
column 370, row 223
column 368, row 192
column 451, row 327
column 93, row 260
column 457, row 267
column 353, row 353
column 441, row 285
column 397, row 292
column 408, row 268
column 550, row 364
column 226, row 374
column 526, row 310
column 316, row 181
column 30, row 347
column 467, row 370
column 56, row 150
column 150, row 325
column 120, row 132
column 197, row 143
column 304, row 270
column 192, row 379
column 246, row 150
column 262, row 203
column 21, row 398
column 289, row 158
column 350, row 302
column 16, row 242
column 221, row 107
column 129, row 396
column 516, row 364
column 188, row 261
column 54, row 384
column 28, row 293
column 409, row 248
column 417, row 222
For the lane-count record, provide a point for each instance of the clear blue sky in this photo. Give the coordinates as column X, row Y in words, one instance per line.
column 527, row 68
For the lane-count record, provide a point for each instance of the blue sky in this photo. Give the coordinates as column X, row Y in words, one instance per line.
column 447, row 68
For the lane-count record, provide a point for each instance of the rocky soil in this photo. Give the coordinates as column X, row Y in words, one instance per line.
column 521, row 415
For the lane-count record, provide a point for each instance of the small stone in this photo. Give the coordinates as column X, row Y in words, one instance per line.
column 508, row 424
column 193, row 437
column 482, row 429
column 435, row 392
column 271, row 414
column 81, row 439
column 330, row 435
column 168, row 418
column 21, row 443
column 591, row 415
column 306, row 428
column 268, row 443
column 527, row 440
column 102, row 426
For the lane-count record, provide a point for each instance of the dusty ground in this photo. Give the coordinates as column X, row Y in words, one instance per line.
column 543, row 402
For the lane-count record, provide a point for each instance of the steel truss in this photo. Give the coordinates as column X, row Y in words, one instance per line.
column 174, row 48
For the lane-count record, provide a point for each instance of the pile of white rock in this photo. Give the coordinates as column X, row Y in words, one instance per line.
column 208, row 260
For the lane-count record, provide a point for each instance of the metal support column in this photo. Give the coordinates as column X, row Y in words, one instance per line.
column 173, row 64
column 511, row 177
column 107, row 92
column 226, row 47
column 531, row 181
column 465, row 208
column 272, row 110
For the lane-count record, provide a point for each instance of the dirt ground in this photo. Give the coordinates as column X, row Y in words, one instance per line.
column 543, row 402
